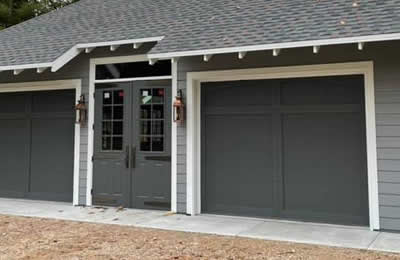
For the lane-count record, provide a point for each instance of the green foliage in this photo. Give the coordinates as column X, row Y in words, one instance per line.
column 16, row 11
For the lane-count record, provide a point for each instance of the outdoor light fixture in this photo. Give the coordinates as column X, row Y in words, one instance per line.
column 81, row 111
column 179, row 108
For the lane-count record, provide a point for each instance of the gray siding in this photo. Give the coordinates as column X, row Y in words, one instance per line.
column 387, row 78
column 76, row 69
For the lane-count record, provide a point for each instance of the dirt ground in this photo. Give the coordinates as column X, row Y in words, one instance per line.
column 34, row 238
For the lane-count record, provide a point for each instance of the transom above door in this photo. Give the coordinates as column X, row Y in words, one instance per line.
column 132, row 149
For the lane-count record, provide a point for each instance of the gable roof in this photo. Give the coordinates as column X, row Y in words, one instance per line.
column 186, row 27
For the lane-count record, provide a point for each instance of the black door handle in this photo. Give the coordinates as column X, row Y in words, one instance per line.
column 127, row 157
column 133, row 162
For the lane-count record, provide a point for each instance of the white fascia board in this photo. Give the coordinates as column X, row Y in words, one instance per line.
column 121, row 42
column 285, row 45
column 65, row 58
column 25, row 66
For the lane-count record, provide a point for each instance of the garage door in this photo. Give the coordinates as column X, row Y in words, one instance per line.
column 290, row 148
column 37, row 144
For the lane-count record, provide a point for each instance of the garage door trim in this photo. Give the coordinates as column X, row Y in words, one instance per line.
column 55, row 85
column 194, row 80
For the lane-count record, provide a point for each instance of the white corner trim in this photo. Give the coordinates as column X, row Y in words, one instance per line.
column 91, row 109
column 282, row 45
column 174, row 142
column 77, row 151
column 55, row 85
column 193, row 126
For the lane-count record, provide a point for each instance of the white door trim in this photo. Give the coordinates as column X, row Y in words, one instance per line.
column 194, row 80
column 91, row 109
column 55, row 85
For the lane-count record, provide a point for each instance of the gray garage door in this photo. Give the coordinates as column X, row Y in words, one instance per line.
column 285, row 148
column 37, row 144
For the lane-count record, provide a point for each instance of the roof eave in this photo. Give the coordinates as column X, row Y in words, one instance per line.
column 75, row 51
column 360, row 40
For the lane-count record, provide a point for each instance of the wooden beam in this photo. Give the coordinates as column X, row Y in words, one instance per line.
column 41, row 70
column 19, row 71
column 137, row 45
column 89, row 50
column 175, row 60
column 152, row 61
column 242, row 54
column 275, row 52
column 114, row 47
column 207, row 57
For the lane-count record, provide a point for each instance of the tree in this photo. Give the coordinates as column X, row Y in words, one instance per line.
column 16, row 11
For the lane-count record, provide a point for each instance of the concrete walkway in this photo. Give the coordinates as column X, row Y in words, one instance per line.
column 311, row 233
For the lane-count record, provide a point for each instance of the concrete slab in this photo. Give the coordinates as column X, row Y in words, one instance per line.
column 389, row 242
column 203, row 224
column 311, row 233
column 279, row 230
column 65, row 211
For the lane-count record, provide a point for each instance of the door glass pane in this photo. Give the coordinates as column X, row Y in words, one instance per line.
column 117, row 143
column 145, row 111
column 118, row 97
column 107, row 129
column 158, row 112
column 158, row 128
column 106, row 143
column 145, row 96
column 117, row 128
column 151, row 120
column 145, row 144
column 107, row 113
column 107, row 98
column 158, row 96
column 145, row 127
column 112, row 120
column 157, row 144
column 118, row 112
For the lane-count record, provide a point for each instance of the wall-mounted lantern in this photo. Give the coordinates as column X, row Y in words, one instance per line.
column 81, row 111
column 179, row 108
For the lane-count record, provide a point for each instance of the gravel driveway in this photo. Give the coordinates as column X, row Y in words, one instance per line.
column 34, row 238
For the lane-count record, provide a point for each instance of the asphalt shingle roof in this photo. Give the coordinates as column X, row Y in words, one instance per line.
column 190, row 25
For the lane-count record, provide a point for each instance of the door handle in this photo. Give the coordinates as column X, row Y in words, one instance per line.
column 127, row 157
column 133, row 162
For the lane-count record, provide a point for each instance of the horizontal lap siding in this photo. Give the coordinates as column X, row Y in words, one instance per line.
column 387, row 86
column 387, row 96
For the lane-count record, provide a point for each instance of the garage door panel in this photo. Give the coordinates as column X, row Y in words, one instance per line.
column 322, row 91
column 61, row 101
column 14, row 156
column 322, row 155
column 52, row 156
column 292, row 148
column 12, row 103
column 240, row 178
column 37, row 144
column 225, row 94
